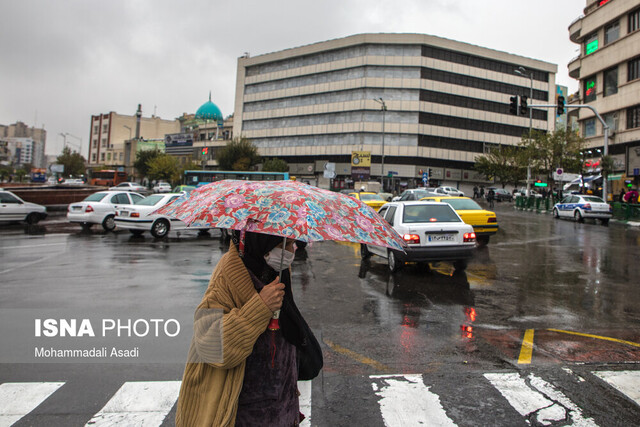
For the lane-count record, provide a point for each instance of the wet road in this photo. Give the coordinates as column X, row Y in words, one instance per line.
column 550, row 310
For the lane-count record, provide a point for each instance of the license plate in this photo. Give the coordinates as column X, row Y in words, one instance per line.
column 441, row 238
column 124, row 213
column 76, row 208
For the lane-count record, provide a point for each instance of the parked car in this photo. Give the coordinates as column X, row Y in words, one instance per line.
column 139, row 217
column 449, row 191
column 500, row 194
column 100, row 208
column 433, row 231
column 523, row 192
column 580, row 206
column 414, row 194
column 129, row 186
column 184, row 188
column 13, row 208
column 373, row 200
column 162, row 187
column 484, row 223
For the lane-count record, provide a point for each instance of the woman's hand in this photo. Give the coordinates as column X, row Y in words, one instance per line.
column 273, row 294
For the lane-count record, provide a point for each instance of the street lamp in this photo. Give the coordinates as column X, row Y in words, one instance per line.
column 383, row 106
column 523, row 72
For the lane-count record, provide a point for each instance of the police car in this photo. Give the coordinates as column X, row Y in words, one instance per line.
column 580, row 206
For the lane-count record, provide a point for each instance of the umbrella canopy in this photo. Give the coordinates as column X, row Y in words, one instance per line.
column 283, row 208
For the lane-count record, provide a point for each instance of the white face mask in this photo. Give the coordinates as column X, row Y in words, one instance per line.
column 275, row 255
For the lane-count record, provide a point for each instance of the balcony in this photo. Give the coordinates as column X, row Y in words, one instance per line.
column 574, row 67
column 575, row 29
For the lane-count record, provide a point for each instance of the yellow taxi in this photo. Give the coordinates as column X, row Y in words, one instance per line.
column 484, row 223
column 373, row 200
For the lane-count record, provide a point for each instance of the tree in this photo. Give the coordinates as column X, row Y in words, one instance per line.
column 73, row 162
column 164, row 168
column 504, row 163
column 275, row 165
column 547, row 151
column 143, row 158
column 238, row 155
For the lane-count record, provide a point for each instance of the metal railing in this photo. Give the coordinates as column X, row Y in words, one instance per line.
column 621, row 211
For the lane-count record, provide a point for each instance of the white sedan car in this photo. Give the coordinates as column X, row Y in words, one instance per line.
column 449, row 191
column 433, row 231
column 100, row 208
column 13, row 208
column 139, row 217
column 580, row 206
column 162, row 187
column 129, row 186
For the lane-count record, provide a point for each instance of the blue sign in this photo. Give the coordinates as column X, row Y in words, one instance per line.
column 636, row 171
column 425, row 177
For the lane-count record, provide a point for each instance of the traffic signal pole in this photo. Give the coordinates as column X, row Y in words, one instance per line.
column 605, row 127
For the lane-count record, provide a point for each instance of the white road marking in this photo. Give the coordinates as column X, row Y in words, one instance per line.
column 626, row 382
column 18, row 399
column 573, row 374
column 538, row 399
column 26, row 264
column 32, row 246
column 407, row 401
column 144, row 403
column 305, row 402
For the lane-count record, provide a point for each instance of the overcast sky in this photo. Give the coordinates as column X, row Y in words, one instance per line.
column 62, row 60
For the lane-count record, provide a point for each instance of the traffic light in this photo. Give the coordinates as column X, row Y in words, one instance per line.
column 513, row 107
column 560, row 108
column 524, row 109
column 205, row 151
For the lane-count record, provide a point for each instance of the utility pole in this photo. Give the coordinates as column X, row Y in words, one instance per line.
column 522, row 72
column 384, row 109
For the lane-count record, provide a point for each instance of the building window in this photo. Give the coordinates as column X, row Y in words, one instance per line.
column 121, row 156
column 590, row 89
column 611, row 32
column 611, row 81
column 634, row 20
column 102, row 157
column 93, row 158
column 633, row 71
column 633, row 117
column 590, row 127
column 104, row 142
column 611, row 120
column 591, row 45
column 108, row 156
column 95, row 129
column 105, row 128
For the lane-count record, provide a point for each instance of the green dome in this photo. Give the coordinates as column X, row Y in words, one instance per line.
column 209, row 111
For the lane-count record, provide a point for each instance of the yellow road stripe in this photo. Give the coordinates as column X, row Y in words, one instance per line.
column 527, row 347
column 635, row 344
column 357, row 357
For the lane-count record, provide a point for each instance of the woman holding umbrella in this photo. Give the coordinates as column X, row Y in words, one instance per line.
column 256, row 383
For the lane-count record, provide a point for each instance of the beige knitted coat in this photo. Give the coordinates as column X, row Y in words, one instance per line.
column 209, row 392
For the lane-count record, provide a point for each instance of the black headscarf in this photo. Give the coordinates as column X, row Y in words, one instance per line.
column 256, row 246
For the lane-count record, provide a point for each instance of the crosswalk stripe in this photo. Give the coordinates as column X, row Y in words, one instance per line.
column 305, row 402
column 538, row 399
column 407, row 401
column 626, row 382
column 143, row 403
column 18, row 399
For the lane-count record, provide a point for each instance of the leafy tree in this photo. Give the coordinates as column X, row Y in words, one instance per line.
column 238, row 155
column 5, row 171
column 606, row 166
column 73, row 162
column 275, row 165
column 164, row 168
column 143, row 158
column 504, row 163
column 546, row 152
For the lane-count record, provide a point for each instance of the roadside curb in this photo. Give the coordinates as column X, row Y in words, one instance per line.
column 612, row 220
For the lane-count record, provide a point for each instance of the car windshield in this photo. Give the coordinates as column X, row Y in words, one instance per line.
column 95, row 197
column 149, row 201
column 592, row 199
column 463, row 204
column 429, row 213
column 371, row 198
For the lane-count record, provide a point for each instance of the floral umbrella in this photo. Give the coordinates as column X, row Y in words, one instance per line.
column 283, row 208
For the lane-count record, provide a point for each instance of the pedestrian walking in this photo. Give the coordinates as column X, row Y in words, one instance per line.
column 490, row 197
column 475, row 191
column 622, row 194
column 481, row 191
column 256, row 381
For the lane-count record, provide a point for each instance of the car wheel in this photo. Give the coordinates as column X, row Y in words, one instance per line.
column 160, row 228
column 577, row 216
column 136, row 233
column 460, row 264
column 605, row 221
column 482, row 240
column 32, row 218
column 555, row 213
column 86, row 226
column 394, row 263
column 109, row 223
column 364, row 252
